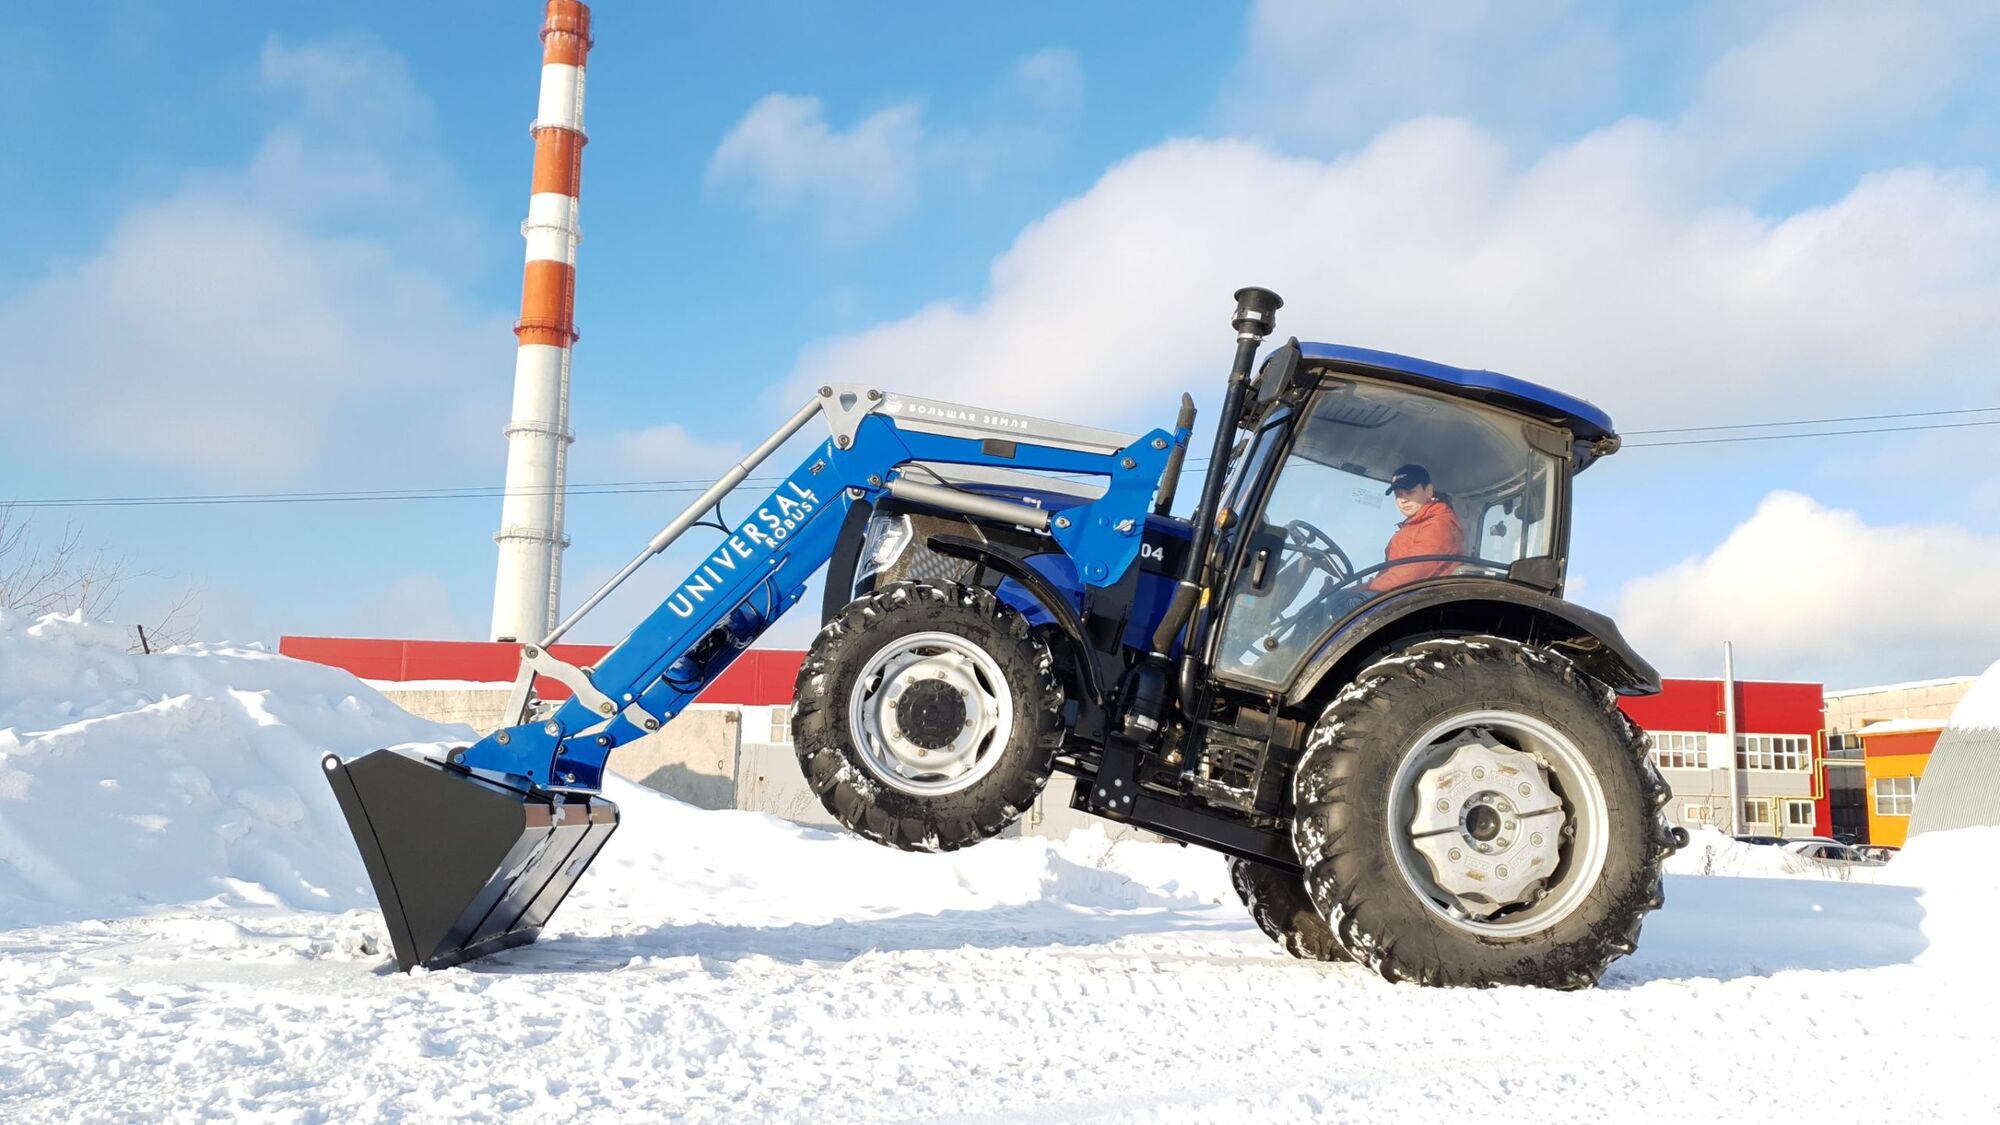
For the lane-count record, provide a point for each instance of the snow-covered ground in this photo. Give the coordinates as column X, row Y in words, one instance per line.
column 184, row 934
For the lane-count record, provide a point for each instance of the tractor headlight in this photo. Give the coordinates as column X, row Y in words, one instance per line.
column 885, row 541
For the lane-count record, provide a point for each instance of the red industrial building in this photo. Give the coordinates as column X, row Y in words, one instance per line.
column 1779, row 760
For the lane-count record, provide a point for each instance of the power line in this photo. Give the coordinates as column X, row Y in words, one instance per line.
column 471, row 492
column 1817, row 422
column 1814, row 434
column 693, row 485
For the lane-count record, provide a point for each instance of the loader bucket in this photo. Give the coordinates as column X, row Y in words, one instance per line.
column 463, row 866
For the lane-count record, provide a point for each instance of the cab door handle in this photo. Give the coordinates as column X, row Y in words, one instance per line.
column 1260, row 566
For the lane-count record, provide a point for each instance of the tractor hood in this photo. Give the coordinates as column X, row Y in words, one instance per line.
column 1589, row 425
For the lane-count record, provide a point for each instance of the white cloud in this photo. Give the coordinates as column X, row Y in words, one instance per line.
column 1051, row 79
column 1592, row 268
column 211, row 336
column 1319, row 73
column 1767, row 83
column 1820, row 71
column 669, row 452
column 258, row 316
column 1811, row 591
column 785, row 156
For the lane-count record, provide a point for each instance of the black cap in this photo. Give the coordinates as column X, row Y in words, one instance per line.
column 1409, row 476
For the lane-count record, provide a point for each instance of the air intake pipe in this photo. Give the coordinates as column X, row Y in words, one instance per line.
column 1256, row 317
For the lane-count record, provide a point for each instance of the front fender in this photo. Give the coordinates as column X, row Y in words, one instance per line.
column 1478, row 605
column 1051, row 599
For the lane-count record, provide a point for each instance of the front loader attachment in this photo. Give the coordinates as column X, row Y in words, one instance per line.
column 462, row 865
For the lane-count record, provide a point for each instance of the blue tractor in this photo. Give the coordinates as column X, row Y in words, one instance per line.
column 1350, row 669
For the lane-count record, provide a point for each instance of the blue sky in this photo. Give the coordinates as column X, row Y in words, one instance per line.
column 277, row 248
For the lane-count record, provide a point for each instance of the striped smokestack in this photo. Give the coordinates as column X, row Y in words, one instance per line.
column 527, row 586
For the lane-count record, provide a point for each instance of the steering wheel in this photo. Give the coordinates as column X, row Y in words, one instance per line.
column 1316, row 613
column 1315, row 551
column 1317, row 545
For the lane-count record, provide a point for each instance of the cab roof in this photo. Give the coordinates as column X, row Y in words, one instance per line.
column 1588, row 424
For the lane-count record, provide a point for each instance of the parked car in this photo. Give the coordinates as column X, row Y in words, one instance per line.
column 1877, row 853
column 1825, row 850
column 1760, row 839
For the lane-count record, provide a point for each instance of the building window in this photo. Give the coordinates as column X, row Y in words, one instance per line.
column 1678, row 750
column 1757, row 810
column 1895, row 796
column 1697, row 814
column 1773, row 752
column 1799, row 814
column 781, row 724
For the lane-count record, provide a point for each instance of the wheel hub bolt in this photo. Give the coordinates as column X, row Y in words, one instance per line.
column 1501, row 871
column 1525, row 790
column 1478, row 773
column 1456, row 854
column 1536, row 839
column 1443, row 805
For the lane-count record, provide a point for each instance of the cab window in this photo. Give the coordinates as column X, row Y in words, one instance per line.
column 1319, row 549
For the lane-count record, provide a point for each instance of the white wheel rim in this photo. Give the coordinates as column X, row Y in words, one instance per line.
column 934, row 669
column 1550, row 808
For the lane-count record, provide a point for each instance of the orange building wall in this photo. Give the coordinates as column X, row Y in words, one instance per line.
column 1902, row 754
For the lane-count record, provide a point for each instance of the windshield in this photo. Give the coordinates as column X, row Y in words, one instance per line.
column 1470, row 495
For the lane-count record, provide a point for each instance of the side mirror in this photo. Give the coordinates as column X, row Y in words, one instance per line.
column 1281, row 378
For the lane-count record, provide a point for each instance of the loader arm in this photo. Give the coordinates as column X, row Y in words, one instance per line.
column 877, row 446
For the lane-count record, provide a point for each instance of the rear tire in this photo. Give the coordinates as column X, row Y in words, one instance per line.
column 925, row 716
column 1383, row 797
column 1278, row 903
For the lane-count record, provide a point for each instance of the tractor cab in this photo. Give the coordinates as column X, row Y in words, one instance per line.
column 1315, row 527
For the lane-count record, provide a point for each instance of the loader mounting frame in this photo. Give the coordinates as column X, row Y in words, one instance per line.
column 878, row 446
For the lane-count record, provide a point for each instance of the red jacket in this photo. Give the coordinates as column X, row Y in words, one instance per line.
column 1434, row 530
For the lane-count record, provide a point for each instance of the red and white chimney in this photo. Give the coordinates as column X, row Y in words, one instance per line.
column 528, row 583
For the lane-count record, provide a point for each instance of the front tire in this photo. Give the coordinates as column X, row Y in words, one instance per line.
column 1475, row 812
column 925, row 716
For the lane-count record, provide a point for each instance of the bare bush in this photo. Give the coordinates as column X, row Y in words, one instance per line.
column 60, row 574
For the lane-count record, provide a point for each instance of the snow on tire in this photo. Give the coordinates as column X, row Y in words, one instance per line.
column 926, row 716
column 1475, row 812
column 1278, row 903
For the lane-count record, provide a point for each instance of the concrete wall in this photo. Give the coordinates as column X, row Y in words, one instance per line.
column 693, row 758
column 768, row 779
column 1852, row 710
column 478, row 708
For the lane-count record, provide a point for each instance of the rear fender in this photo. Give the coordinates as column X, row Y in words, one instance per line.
column 1475, row 605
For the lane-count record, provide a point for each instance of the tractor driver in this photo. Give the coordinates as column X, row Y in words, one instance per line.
column 1429, row 527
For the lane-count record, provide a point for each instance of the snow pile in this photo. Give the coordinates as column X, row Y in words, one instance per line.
column 1980, row 707
column 1957, row 872
column 1710, row 852
column 188, row 775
